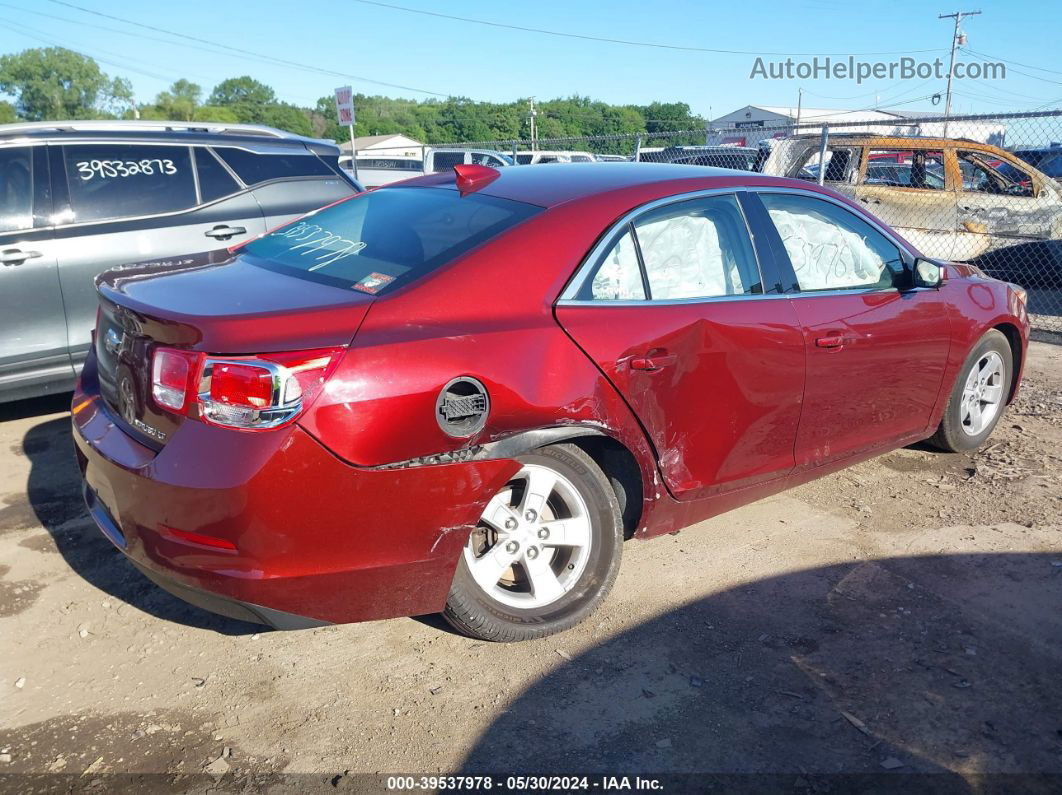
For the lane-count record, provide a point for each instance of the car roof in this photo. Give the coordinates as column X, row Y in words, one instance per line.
column 564, row 182
column 252, row 135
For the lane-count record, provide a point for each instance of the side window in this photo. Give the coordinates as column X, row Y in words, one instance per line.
column 978, row 176
column 121, row 181
column 830, row 247
column 214, row 180
column 619, row 276
column 16, row 188
column 841, row 164
column 444, row 161
column 484, row 159
column 698, row 249
column 899, row 168
column 257, row 167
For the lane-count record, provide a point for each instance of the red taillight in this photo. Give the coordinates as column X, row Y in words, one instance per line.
column 241, row 385
column 265, row 392
column 174, row 375
column 250, row 393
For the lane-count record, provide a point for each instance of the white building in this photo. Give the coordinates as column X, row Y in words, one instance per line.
column 385, row 146
column 751, row 124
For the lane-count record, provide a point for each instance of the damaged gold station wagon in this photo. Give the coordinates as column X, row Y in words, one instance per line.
column 945, row 195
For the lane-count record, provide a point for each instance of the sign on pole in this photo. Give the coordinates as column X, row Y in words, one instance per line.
column 345, row 114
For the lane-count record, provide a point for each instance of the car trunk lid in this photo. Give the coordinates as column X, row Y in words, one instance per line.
column 217, row 304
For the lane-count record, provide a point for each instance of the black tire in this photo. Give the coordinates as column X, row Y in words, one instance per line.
column 473, row 612
column 950, row 436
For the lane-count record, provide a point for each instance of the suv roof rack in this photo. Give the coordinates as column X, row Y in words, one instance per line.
column 152, row 125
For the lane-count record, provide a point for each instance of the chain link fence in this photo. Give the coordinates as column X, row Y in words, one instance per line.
column 980, row 189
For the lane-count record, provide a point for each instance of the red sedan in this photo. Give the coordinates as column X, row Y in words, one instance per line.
column 463, row 392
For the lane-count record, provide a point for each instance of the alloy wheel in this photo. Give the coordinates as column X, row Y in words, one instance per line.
column 982, row 394
column 533, row 540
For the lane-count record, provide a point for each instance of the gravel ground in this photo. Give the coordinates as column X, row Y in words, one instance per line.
column 901, row 616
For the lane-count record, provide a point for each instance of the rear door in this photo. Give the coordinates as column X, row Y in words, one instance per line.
column 119, row 203
column 33, row 349
column 876, row 350
column 671, row 307
column 906, row 189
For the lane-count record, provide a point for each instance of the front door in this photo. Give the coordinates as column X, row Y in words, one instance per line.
column 673, row 312
column 876, row 350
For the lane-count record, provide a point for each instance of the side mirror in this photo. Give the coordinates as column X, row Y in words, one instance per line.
column 927, row 273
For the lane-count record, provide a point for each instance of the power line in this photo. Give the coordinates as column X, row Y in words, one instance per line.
column 257, row 55
column 1004, row 60
column 627, row 42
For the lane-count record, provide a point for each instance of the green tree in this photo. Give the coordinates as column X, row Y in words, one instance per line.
column 55, row 83
column 7, row 113
column 215, row 113
column 180, row 102
column 286, row 117
column 670, row 117
column 244, row 95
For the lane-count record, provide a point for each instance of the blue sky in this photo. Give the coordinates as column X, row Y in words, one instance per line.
column 458, row 58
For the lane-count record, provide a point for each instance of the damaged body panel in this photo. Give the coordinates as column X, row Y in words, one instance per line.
column 470, row 377
column 948, row 197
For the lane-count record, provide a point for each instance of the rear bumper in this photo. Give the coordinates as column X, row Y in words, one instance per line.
column 303, row 537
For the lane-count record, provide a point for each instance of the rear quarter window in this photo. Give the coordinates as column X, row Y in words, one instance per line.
column 257, row 167
column 383, row 239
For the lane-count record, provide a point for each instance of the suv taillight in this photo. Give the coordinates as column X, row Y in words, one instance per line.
column 249, row 393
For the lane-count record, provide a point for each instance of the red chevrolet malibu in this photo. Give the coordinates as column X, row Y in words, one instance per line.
column 463, row 392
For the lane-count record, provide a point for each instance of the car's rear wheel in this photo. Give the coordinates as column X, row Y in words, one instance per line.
column 979, row 396
column 544, row 554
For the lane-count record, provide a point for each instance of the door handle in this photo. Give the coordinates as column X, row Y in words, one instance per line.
column 655, row 360
column 223, row 232
column 834, row 341
column 14, row 256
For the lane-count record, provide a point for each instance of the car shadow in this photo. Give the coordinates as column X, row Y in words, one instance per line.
column 840, row 678
column 53, row 490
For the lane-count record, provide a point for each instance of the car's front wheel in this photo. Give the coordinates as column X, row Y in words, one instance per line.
column 544, row 554
column 979, row 396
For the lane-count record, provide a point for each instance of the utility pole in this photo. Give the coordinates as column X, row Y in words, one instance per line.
column 534, row 132
column 800, row 103
column 957, row 16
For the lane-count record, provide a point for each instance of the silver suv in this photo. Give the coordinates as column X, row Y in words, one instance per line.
column 77, row 198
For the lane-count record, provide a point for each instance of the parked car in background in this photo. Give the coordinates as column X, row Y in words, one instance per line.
column 79, row 197
column 742, row 158
column 410, row 434
column 600, row 158
column 1047, row 160
column 542, row 156
column 376, row 170
column 956, row 199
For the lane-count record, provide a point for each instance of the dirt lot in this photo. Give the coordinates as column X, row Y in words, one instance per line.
column 904, row 615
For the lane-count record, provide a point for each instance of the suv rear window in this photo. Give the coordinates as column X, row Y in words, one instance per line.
column 254, row 168
column 380, row 240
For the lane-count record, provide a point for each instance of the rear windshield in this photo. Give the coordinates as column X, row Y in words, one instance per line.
column 383, row 239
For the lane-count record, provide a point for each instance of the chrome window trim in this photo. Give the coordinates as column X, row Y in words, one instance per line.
column 720, row 298
column 619, row 226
